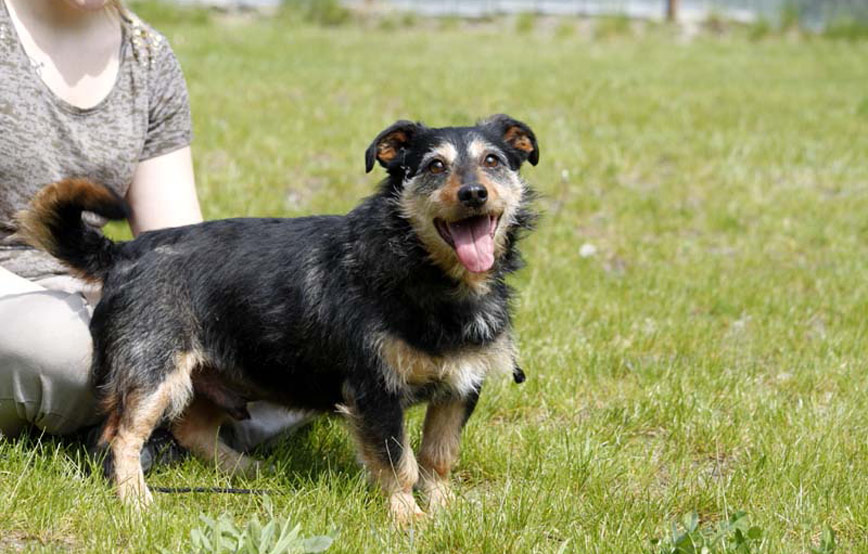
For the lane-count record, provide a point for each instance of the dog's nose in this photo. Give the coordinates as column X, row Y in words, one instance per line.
column 472, row 196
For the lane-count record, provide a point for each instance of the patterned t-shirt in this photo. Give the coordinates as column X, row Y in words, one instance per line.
column 44, row 139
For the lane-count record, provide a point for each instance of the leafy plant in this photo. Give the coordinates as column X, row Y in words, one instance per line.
column 734, row 535
column 221, row 535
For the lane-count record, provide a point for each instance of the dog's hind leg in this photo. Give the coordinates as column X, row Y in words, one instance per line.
column 197, row 429
column 141, row 414
column 134, row 414
column 441, row 435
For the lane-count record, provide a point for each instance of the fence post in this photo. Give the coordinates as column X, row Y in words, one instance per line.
column 672, row 10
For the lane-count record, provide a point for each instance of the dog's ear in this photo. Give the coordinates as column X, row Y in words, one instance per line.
column 389, row 143
column 516, row 134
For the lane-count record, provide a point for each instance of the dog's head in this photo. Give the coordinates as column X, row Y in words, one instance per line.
column 459, row 187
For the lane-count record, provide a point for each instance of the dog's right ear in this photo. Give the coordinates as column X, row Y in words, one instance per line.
column 389, row 143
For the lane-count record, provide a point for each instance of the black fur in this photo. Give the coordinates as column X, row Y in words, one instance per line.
column 288, row 310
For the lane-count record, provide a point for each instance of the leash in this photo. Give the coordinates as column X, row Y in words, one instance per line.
column 212, row 490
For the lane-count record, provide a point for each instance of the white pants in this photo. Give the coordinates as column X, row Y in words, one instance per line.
column 45, row 351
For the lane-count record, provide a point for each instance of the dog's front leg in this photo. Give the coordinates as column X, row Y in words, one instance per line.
column 378, row 427
column 441, row 435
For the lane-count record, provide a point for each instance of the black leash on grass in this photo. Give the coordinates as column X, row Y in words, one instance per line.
column 212, row 490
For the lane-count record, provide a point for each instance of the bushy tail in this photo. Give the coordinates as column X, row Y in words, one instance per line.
column 53, row 223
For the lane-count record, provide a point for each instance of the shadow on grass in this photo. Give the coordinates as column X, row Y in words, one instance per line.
column 317, row 451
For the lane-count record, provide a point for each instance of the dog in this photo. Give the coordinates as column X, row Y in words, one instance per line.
column 401, row 301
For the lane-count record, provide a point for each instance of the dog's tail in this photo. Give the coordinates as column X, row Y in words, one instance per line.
column 53, row 223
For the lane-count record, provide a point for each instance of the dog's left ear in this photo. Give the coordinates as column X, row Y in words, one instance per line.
column 389, row 143
column 516, row 134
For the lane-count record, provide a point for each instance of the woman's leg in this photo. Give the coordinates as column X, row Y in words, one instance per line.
column 267, row 422
column 45, row 350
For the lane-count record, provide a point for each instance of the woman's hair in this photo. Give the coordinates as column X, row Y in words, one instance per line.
column 118, row 5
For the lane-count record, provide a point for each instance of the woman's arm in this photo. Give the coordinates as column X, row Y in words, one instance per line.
column 163, row 193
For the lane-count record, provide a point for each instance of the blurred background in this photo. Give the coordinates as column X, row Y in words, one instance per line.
column 816, row 15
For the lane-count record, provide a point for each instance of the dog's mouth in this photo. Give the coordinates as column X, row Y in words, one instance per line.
column 473, row 240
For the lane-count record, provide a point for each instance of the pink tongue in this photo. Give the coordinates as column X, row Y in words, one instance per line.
column 473, row 243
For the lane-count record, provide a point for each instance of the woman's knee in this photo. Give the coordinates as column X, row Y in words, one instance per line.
column 45, row 350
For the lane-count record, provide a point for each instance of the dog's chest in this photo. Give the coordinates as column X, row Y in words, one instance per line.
column 406, row 368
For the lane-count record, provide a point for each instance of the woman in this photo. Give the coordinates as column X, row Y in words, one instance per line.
column 86, row 90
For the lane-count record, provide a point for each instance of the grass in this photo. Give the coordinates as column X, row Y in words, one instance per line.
column 706, row 354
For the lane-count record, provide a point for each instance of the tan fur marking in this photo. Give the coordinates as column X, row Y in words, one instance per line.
column 449, row 192
column 197, row 430
column 477, row 148
column 34, row 224
column 180, row 382
column 110, row 427
column 462, row 370
column 441, row 437
column 386, row 152
column 518, row 139
column 141, row 413
column 387, row 147
column 447, row 151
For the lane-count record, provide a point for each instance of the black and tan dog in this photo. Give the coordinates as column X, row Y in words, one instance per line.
column 401, row 301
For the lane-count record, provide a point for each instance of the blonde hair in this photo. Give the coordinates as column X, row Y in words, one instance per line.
column 118, row 6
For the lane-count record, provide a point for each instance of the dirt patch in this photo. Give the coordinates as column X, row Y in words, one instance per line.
column 17, row 541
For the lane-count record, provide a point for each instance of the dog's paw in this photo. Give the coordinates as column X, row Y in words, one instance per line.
column 240, row 465
column 404, row 510
column 439, row 495
column 258, row 468
column 136, row 496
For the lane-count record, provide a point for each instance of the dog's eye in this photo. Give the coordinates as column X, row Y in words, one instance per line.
column 436, row 167
column 491, row 161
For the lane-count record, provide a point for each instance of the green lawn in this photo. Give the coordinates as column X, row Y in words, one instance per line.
column 709, row 355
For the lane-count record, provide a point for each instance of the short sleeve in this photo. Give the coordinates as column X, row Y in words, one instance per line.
column 169, row 123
